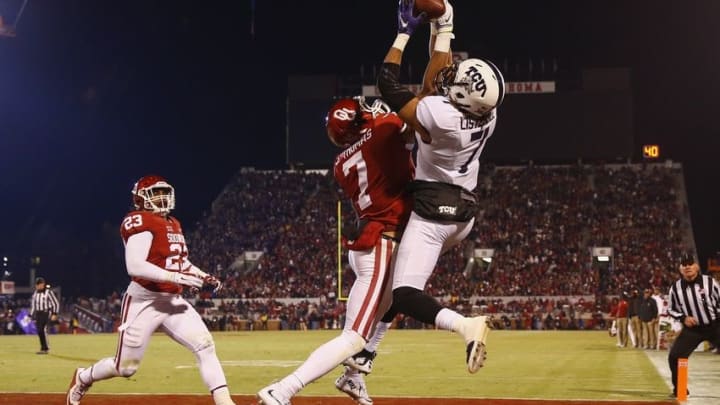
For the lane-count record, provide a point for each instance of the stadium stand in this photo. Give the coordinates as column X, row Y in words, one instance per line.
column 541, row 222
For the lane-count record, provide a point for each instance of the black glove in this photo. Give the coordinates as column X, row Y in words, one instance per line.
column 353, row 231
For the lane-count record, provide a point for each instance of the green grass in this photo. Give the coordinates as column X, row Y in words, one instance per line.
column 426, row 363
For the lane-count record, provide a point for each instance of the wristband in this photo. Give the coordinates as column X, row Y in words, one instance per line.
column 442, row 42
column 400, row 41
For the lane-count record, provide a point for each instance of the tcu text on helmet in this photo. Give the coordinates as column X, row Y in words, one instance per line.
column 475, row 76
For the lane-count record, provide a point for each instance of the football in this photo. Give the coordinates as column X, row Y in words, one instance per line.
column 433, row 8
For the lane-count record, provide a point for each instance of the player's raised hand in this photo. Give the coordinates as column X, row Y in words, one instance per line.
column 444, row 23
column 407, row 22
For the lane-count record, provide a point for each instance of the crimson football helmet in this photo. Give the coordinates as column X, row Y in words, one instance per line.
column 348, row 119
column 153, row 193
column 474, row 86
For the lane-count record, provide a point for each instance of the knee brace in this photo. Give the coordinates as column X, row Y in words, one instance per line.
column 203, row 341
column 413, row 302
column 129, row 363
column 128, row 367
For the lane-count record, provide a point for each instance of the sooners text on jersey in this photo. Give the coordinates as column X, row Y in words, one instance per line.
column 168, row 249
column 374, row 173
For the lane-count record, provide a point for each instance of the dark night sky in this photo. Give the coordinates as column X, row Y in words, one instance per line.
column 94, row 94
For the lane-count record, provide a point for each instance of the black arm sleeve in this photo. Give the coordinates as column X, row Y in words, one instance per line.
column 394, row 94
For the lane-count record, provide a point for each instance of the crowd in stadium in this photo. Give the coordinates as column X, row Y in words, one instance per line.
column 278, row 214
column 540, row 221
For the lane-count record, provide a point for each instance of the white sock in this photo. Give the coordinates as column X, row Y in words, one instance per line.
column 102, row 370
column 323, row 360
column 221, row 396
column 447, row 319
column 380, row 330
column 290, row 385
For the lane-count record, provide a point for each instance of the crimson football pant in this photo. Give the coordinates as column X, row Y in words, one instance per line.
column 368, row 301
column 144, row 312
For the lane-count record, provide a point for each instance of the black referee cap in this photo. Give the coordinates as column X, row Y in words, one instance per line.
column 39, row 280
column 687, row 259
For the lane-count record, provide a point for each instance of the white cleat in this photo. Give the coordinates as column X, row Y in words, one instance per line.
column 77, row 389
column 477, row 330
column 354, row 386
column 271, row 395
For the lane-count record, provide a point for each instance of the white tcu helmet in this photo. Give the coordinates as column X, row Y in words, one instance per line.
column 475, row 86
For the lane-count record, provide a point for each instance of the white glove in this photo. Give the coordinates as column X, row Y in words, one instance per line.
column 207, row 279
column 186, row 278
column 444, row 23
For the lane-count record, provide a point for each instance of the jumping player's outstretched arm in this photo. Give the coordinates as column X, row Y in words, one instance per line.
column 442, row 28
column 399, row 97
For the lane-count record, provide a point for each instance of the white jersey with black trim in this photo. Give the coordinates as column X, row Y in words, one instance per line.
column 457, row 142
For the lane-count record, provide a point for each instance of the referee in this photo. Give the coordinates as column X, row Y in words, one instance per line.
column 695, row 302
column 43, row 307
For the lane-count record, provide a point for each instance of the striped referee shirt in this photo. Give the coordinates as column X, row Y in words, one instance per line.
column 44, row 301
column 699, row 299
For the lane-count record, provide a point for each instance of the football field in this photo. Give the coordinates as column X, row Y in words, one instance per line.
column 412, row 366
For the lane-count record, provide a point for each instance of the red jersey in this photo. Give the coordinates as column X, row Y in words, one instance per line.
column 168, row 249
column 374, row 173
column 621, row 311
